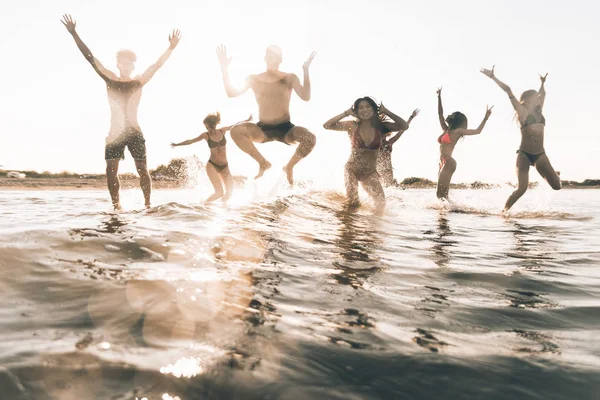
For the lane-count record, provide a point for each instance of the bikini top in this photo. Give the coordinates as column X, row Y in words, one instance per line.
column 530, row 120
column 212, row 144
column 358, row 142
column 445, row 138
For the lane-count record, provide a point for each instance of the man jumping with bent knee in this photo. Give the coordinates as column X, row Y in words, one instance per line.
column 124, row 94
column 272, row 89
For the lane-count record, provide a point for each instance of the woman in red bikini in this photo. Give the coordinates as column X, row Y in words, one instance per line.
column 531, row 152
column 366, row 133
column 217, row 168
column 455, row 127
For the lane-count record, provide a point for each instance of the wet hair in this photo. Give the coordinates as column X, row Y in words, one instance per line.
column 212, row 120
column 381, row 118
column 457, row 120
column 526, row 95
column 126, row 55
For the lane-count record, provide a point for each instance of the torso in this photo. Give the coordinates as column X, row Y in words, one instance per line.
column 447, row 141
column 123, row 98
column 217, row 145
column 532, row 133
column 365, row 146
column 272, row 93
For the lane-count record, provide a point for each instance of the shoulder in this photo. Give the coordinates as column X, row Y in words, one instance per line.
column 291, row 77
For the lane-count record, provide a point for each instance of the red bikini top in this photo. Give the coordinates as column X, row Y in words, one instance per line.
column 358, row 142
column 444, row 138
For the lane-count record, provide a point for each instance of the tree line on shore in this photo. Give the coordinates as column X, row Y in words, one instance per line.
column 183, row 168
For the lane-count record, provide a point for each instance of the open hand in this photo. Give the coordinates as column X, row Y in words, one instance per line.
column 543, row 78
column 173, row 144
column 488, row 72
column 439, row 91
column 68, row 22
column 174, row 38
column 222, row 55
column 414, row 113
column 488, row 111
column 309, row 60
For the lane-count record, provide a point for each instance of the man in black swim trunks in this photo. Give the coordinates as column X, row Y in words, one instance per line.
column 272, row 89
column 124, row 94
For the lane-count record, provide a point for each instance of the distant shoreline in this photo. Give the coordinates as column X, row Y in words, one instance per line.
column 131, row 182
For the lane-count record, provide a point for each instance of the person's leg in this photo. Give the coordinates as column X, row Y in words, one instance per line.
column 245, row 135
column 384, row 168
column 351, row 183
column 373, row 187
column 545, row 169
column 213, row 176
column 444, row 178
column 306, row 142
column 112, row 181
column 228, row 181
column 145, row 180
column 137, row 147
column 523, row 164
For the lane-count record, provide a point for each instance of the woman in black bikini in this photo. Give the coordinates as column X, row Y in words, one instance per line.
column 455, row 127
column 531, row 152
column 384, row 159
column 217, row 168
column 366, row 133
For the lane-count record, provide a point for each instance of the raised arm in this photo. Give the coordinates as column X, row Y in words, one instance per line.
column 519, row 108
column 229, row 88
column 477, row 131
column 395, row 138
column 542, row 91
column 398, row 125
column 443, row 123
column 303, row 91
column 336, row 123
column 228, row 128
column 70, row 24
column 190, row 141
column 174, row 38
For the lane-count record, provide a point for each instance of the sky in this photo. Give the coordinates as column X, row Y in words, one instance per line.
column 54, row 114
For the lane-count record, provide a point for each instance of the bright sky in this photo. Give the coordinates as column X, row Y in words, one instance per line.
column 54, row 114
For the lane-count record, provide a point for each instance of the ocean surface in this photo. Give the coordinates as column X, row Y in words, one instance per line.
column 287, row 295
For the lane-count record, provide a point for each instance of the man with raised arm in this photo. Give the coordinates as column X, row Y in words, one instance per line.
column 124, row 93
column 273, row 90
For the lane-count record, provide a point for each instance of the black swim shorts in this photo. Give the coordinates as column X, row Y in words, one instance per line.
column 275, row 131
column 133, row 139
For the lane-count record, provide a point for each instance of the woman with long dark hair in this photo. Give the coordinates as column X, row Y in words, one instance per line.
column 531, row 151
column 454, row 127
column 366, row 132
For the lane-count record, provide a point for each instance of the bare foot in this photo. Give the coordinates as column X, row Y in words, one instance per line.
column 148, row 206
column 226, row 197
column 289, row 172
column 117, row 207
column 214, row 197
column 262, row 168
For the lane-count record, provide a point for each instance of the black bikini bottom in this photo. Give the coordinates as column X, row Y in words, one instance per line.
column 218, row 167
column 532, row 157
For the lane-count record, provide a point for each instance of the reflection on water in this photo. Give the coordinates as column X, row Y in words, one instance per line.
column 357, row 243
column 443, row 241
column 533, row 245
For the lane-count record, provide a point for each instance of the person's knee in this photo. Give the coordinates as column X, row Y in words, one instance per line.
column 555, row 184
column 308, row 139
column 237, row 132
column 142, row 169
